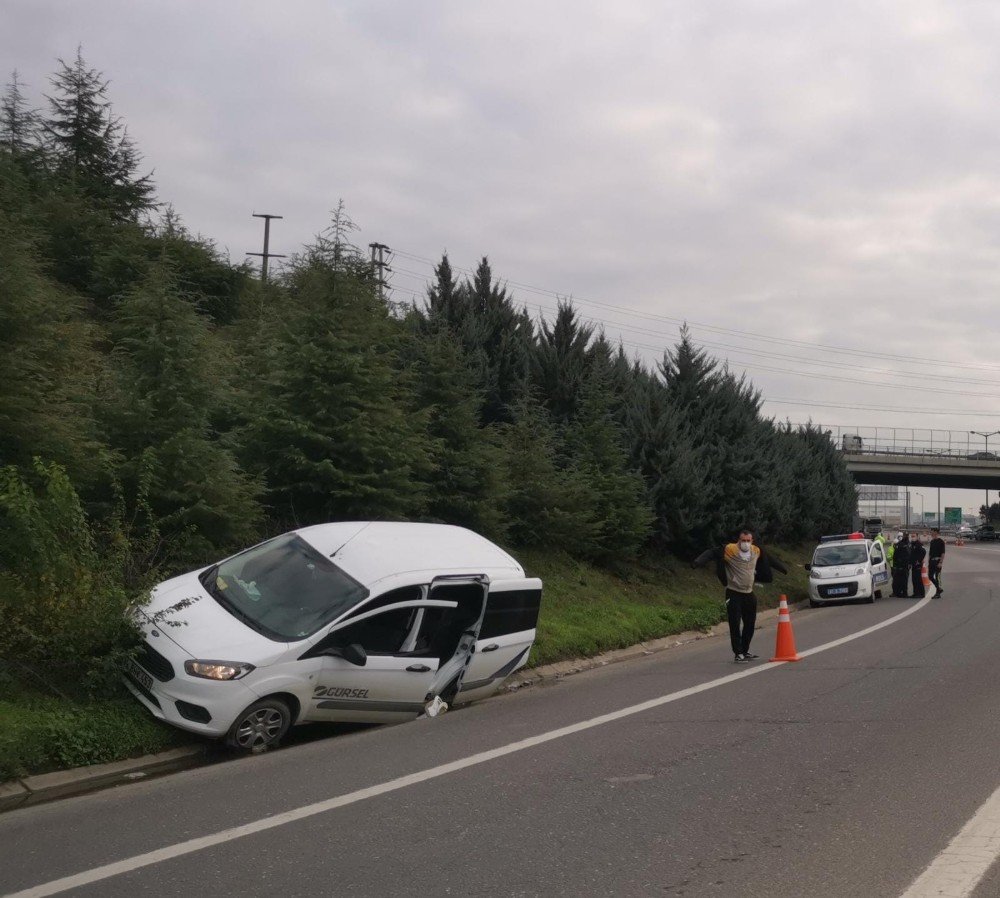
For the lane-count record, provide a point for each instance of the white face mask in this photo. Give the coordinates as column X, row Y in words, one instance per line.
column 744, row 545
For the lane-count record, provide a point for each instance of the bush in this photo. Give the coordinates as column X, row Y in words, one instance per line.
column 65, row 584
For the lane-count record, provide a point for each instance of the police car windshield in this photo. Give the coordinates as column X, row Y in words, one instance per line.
column 283, row 588
column 830, row 556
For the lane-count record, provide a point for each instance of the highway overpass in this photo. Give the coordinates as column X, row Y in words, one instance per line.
column 895, row 468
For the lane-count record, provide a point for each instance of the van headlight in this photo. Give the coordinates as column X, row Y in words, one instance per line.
column 218, row 670
column 860, row 571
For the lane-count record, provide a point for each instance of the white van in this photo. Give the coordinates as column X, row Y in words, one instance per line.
column 359, row 621
column 847, row 566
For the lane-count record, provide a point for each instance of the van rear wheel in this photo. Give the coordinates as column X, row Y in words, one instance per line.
column 260, row 726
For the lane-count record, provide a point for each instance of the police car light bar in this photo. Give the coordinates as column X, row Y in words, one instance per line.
column 841, row 537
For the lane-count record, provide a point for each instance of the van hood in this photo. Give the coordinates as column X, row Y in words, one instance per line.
column 840, row 571
column 182, row 610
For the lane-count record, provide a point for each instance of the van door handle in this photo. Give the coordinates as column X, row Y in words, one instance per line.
column 492, row 647
column 418, row 668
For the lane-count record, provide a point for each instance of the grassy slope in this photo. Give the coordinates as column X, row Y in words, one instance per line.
column 585, row 610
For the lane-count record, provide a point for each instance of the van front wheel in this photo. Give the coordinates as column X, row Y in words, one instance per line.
column 260, row 726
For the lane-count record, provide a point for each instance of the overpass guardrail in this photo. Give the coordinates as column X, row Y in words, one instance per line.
column 905, row 441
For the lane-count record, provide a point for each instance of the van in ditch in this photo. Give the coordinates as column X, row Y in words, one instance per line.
column 372, row 622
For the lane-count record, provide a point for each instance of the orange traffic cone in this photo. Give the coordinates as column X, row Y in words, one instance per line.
column 785, row 648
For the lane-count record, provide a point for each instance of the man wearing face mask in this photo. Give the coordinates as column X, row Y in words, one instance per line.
column 738, row 566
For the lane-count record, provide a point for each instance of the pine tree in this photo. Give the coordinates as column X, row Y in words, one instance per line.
column 169, row 373
column 329, row 428
column 48, row 363
column 18, row 122
column 91, row 146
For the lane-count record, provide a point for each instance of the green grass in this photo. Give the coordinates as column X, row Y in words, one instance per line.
column 585, row 610
column 39, row 733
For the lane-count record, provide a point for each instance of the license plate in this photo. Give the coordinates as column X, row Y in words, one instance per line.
column 138, row 674
column 839, row 591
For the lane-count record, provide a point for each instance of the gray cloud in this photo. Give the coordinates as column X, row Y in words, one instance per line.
column 824, row 173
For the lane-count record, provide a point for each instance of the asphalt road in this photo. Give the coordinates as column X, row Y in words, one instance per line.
column 845, row 774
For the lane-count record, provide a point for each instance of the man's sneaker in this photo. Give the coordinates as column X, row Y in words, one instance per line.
column 742, row 659
column 750, row 656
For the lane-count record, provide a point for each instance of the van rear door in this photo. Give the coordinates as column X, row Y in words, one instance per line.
column 505, row 636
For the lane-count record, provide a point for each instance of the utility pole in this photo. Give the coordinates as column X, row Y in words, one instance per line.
column 986, row 455
column 267, row 242
column 380, row 267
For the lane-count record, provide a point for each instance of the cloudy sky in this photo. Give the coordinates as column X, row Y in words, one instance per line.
column 815, row 187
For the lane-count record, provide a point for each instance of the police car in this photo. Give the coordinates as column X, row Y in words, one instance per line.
column 847, row 566
column 364, row 621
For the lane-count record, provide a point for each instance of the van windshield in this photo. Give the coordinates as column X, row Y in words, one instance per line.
column 283, row 588
column 830, row 556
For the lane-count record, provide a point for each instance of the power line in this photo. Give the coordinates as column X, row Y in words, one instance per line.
column 773, row 369
column 750, row 335
column 850, row 366
column 882, row 408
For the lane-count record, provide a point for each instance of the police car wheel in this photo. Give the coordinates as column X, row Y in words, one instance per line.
column 260, row 726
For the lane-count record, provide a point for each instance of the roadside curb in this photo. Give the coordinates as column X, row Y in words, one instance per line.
column 64, row 783
column 44, row 787
column 560, row 669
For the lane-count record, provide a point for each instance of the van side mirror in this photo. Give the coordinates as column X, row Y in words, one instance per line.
column 353, row 654
column 808, row 567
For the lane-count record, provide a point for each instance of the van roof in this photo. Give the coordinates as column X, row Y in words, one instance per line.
column 370, row 551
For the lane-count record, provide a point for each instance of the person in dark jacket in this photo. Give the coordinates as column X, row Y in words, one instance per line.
column 935, row 560
column 917, row 555
column 901, row 568
column 738, row 566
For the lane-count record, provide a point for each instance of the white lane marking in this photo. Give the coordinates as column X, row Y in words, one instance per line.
column 321, row 807
column 956, row 871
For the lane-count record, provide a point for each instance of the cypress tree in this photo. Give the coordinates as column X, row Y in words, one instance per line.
column 91, row 147
column 504, row 335
column 662, row 450
column 618, row 496
column 546, row 506
column 560, row 361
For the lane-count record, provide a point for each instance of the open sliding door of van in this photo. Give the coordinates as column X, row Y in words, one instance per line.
column 505, row 637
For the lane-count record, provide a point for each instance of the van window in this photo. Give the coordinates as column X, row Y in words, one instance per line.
column 830, row 556
column 283, row 588
column 511, row 612
column 382, row 634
